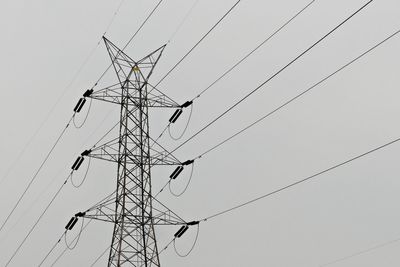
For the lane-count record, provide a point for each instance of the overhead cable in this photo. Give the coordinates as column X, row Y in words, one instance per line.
column 271, row 77
column 74, row 167
column 101, row 255
column 253, row 51
column 52, row 248
column 142, row 25
column 73, row 240
column 183, row 20
column 68, row 227
column 115, row 14
column 85, row 176
column 32, row 203
column 198, row 42
column 37, row 221
column 236, row 65
column 292, row 99
column 365, row 251
column 301, row 94
column 36, row 174
column 308, row 178
column 64, row 91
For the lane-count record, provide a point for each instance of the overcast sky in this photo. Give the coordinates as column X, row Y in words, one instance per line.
column 345, row 211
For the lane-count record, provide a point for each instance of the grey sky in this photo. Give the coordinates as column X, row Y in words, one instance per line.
column 350, row 209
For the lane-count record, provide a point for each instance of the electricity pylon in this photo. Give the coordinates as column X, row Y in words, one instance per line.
column 132, row 208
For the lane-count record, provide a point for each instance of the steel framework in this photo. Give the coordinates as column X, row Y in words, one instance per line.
column 132, row 208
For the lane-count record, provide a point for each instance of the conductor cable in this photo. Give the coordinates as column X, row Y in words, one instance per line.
column 273, row 76
column 301, row 94
column 198, row 43
column 37, row 221
column 265, row 41
column 36, row 174
column 306, row 179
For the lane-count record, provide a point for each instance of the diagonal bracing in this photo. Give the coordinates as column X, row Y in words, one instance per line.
column 133, row 209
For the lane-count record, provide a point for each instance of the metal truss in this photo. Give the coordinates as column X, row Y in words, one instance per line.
column 132, row 208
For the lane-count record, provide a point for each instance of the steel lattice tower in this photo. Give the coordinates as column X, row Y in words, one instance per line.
column 132, row 208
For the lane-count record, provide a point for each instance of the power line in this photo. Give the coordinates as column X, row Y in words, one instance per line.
column 107, row 133
column 183, row 20
column 198, row 42
column 66, row 248
column 142, row 25
column 73, row 240
column 130, row 40
column 48, row 155
column 382, row 245
column 64, row 91
column 301, row 94
column 253, row 51
column 48, row 186
column 295, row 98
column 242, row 204
column 98, row 128
column 37, row 221
column 53, row 199
column 100, row 256
column 241, row 61
column 52, row 248
column 271, row 77
column 45, row 120
column 51, row 202
column 113, row 17
column 286, row 103
column 29, row 208
column 302, row 180
column 36, row 173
